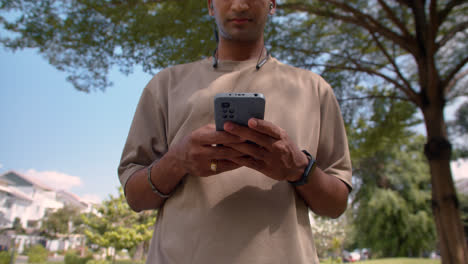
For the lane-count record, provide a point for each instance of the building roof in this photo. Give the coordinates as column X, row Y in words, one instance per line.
column 19, row 179
column 71, row 199
column 12, row 179
column 14, row 192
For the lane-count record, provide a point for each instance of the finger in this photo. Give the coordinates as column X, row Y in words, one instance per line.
column 252, row 150
column 226, row 165
column 266, row 127
column 250, row 162
column 221, row 166
column 221, row 152
column 249, row 134
column 210, row 136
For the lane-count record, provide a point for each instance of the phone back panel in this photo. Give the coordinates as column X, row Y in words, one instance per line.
column 238, row 108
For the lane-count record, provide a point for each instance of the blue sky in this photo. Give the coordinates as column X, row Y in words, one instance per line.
column 50, row 130
column 69, row 139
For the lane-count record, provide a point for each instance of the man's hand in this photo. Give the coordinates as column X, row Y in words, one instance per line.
column 275, row 155
column 196, row 151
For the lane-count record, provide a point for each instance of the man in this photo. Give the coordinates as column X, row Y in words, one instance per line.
column 220, row 199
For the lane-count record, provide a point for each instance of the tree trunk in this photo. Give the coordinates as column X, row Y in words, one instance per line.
column 451, row 236
column 139, row 251
column 82, row 249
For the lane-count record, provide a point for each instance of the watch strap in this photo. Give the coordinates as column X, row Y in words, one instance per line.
column 308, row 170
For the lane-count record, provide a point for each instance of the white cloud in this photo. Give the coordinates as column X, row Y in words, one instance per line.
column 55, row 179
column 93, row 198
column 459, row 169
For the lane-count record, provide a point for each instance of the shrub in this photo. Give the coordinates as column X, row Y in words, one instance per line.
column 129, row 261
column 37, row 254
column 5, row 257
column 97, row 262
column 73, row 258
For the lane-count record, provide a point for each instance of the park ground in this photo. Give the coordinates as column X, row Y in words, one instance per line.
column 394, row 261
column 23, row 260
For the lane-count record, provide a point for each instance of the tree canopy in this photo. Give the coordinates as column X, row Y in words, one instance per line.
column 86, row 38
column 66, row 220
column 459, row 132
column 117, row 226
column 391, row 208
column 338, row 39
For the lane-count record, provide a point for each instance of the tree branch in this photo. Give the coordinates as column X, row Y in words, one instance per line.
column 405, row 2
column 455, row 80
column 452, row 32
column 433, row 20
column 378, row 27
column 448, row 8
column 297, row 49
column 373, row 97
column 413, row 97
column 451, row 75
column 458, row 94
column 420, row 25
column 409, row 92
column 360, row 19
column 334, row 55
column 395, row 66
column 391, row 15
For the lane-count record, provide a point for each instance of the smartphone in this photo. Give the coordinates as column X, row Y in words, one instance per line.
column 238, row 108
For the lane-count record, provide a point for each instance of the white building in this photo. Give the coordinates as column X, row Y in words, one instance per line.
column 29, row 200
column 13, row 204
column 26, row 199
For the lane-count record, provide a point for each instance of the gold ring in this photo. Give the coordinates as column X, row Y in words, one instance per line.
column 214, row 165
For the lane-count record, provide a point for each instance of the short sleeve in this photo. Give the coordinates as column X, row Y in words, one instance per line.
column 333, row 152
column 146, row 141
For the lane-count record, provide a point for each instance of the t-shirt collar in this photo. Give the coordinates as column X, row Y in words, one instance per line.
column 229, row 65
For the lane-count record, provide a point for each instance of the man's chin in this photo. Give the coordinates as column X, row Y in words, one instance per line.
column 244, row 36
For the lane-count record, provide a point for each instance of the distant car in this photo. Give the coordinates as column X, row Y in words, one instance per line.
column 351, row 256
column 364, row 254
column 434, row 255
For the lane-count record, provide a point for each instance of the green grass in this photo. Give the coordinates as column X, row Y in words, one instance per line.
column 395, row 261
column 108, row 262
column 401, row 261
column 373, row 261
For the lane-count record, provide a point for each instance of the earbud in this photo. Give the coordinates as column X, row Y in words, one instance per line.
column 271, row 5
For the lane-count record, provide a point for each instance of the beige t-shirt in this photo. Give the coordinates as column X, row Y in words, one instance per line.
column 239, row 216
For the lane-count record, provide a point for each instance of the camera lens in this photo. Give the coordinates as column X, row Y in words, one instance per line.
column 225, row 105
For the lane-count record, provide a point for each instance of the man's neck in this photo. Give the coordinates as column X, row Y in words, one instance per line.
column 239, row 51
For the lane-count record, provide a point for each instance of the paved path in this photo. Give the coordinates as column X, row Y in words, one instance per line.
column 24, row 259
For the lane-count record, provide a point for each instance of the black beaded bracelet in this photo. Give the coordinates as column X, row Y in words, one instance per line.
column 309, row 169
column 155, row 190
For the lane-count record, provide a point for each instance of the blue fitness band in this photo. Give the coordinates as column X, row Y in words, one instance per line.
column 309, row 169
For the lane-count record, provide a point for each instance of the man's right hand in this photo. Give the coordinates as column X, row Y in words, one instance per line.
column 193, row 155
column 199, row 149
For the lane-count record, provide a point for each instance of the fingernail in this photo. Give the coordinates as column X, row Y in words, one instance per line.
column 252, row 122
column 228, row 126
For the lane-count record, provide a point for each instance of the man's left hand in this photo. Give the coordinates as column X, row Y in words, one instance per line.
column 274, row 154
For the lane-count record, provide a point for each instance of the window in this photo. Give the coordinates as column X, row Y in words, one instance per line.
column 8, row 203
column 32, row 223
